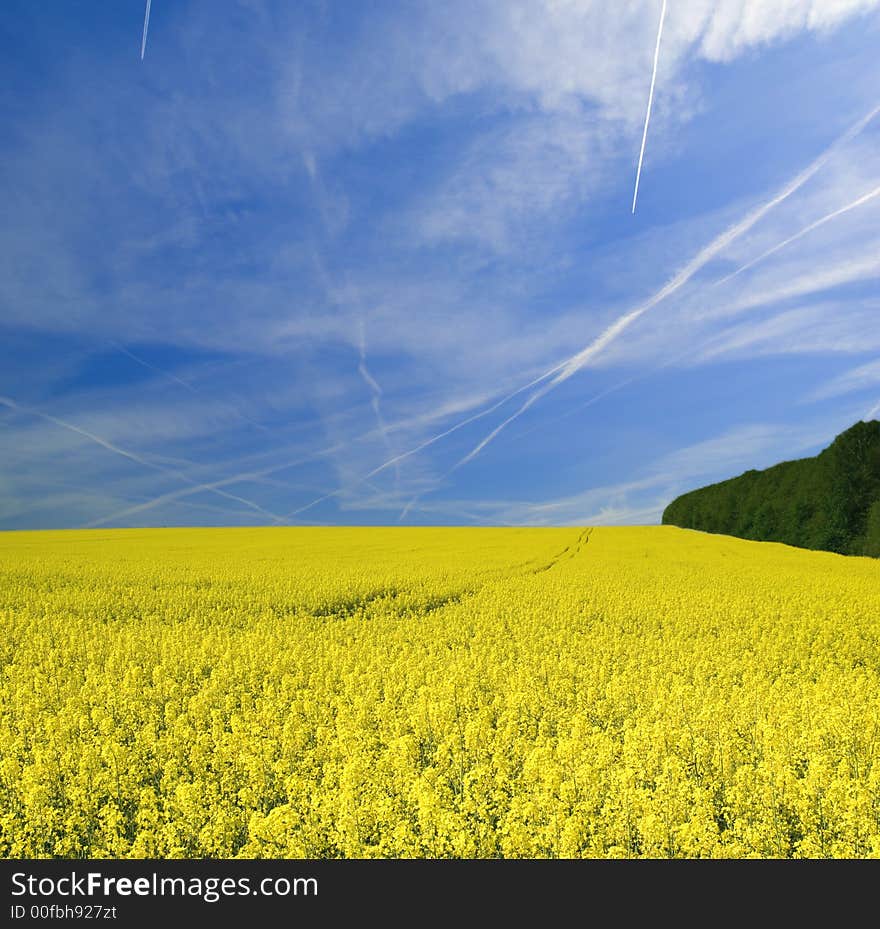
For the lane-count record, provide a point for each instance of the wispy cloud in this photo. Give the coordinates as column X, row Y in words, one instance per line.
column 819, row 329
column 862, row 377
column 827, row 218
column 819, row 277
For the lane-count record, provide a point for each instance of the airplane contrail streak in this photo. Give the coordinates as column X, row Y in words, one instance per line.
column 669, row 361
column 171, row 377
column 375, row 395
column 152, row 367
column 576, row 362
column 650, row 102
column 131, row 456
column 814, row 225
column 407, row 508
column 213, row 485
column 427, row 442
column 274, row 469
column 339, row 446
column 146, row 27
column 312, row 456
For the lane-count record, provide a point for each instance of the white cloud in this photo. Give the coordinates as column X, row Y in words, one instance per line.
column 545, row 54
column 512, row 178
column 796, row 281
column 568, row 78
column 727, row 28
column 822, row 329
column 750, row 446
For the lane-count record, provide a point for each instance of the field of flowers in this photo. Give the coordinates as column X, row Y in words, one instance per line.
column 436, row 692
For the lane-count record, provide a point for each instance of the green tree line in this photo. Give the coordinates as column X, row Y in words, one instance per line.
column 829, row 502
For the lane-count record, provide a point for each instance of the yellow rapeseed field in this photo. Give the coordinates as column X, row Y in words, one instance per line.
column 436, row 692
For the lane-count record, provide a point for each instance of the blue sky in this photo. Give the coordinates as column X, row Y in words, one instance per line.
column 338, row 262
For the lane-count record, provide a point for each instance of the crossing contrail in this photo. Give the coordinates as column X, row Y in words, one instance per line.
column 241, row 477
column 146, row 27
column 423, row 445
column 650, row 101
column 263, row 473
column 11, row 404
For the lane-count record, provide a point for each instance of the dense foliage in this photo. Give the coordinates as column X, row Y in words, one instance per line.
column 829, row 502
column 436, row 692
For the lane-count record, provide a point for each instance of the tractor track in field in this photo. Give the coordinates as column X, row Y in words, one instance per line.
column 569, row 552
column 359, row 605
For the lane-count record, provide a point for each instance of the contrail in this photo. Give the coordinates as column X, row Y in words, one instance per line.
column 20, row 408
column 594, row 399
column 152, row 367
column 815, row 225
column 339, row 446
column 703, row 257
column 567, row 368
column 375, row 394
column 266, row 472
column 407, row 508
column 338, row 298
column 650, row 101
column 146, row 27
column 131, row 456
column 214, row 485
column 871, row 413
column 574, row 364
column 274, row 469
column 427, row 442
column 172, row 377
column 620, row 385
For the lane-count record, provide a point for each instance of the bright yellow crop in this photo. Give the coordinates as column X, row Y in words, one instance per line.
column 436, row 692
